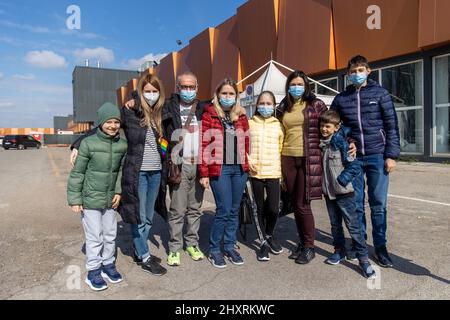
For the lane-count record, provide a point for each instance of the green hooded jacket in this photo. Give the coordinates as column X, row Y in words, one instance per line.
column 97, row 174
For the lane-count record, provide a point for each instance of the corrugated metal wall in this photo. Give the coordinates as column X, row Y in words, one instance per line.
column 92, row 87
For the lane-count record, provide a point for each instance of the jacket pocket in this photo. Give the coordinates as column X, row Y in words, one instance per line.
column 383, row 136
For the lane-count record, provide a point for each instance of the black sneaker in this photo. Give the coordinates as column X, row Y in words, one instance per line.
column 383, row 258
column 234, row 257
column 305, row 256
column 263, row 253
column 274, row 246
column 153, row 267
column 138, row 260
column 294, row 254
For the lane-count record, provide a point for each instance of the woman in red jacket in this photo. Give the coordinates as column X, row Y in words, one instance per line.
column 301, row 161
column 224, row 166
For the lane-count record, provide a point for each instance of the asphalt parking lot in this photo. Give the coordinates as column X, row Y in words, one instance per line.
column 41, row 241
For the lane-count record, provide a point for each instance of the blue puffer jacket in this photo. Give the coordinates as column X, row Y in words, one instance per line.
column 370, row 114
column 352, row 166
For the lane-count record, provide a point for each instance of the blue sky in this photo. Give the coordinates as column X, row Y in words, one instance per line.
column 38, row 52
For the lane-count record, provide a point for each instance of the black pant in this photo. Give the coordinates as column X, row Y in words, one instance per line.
column 268, row 210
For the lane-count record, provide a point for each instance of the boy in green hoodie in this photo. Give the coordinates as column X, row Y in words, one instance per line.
column 94, row 190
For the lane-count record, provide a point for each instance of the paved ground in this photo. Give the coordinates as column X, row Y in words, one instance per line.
column 41, row 242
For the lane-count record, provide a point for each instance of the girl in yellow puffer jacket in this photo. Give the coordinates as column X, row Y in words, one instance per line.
column 266, row 141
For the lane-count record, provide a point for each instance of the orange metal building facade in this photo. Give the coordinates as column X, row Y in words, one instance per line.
column 319, row 36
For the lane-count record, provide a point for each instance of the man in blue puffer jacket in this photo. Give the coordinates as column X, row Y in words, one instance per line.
column 367, row 109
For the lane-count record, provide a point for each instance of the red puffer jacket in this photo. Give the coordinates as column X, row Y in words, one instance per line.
column 211, row 142
column 311, row 134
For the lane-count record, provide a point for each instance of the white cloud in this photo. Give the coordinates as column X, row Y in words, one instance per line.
column 27, row 76
column 97, row 54
column 34, row 29
column 81, row 35
column 45, row 59
column 6, row 104
column 135, row 64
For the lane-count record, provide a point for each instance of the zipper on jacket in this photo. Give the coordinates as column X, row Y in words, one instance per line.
column 109, row 201
column 260, row 165
column 363, row 151
column 306, row 145
column 383, row 135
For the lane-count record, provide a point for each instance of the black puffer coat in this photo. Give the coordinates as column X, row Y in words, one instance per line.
column 135, row 134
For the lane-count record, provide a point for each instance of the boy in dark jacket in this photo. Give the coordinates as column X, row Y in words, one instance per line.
column 367, row 109
column 94, row 190
column 338, row 172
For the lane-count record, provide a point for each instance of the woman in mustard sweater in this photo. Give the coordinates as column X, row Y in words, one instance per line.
column 266, row 137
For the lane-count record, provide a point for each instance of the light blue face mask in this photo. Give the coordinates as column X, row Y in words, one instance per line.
column 188, row 96
column 265, row 110
column 227, row 103
column 358, row 78
column 296, row 91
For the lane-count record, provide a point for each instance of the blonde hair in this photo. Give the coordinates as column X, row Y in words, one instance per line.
column 236, row 110
column 152, row 115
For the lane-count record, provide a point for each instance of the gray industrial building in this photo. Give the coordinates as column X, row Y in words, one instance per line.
column 60, row 123
column 92, row 87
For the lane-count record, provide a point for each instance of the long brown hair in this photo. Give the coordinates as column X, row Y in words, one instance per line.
column 152, row 115
column 236, row 110
column 308, row 96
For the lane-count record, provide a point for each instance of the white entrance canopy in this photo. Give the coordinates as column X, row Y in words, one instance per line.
column 273, row 80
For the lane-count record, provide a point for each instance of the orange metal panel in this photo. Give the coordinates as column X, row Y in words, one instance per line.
column 434, row 24
column 121, row 95
column 197, row 58
column 182, row 58
column 226, row 63
column 305, row 37
column 166, row 71
column 257, row 34
column 148, row 71
column 21, row 131
column 398, row 33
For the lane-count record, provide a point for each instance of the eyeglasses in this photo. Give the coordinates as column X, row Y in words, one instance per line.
column 191, row 88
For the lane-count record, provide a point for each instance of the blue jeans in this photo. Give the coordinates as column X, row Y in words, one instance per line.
column 377, row 184
column 149, row 182
column 344, row 208
column 227, row 190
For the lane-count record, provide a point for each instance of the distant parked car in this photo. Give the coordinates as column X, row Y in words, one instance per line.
column 20, row 142
column 1, row 140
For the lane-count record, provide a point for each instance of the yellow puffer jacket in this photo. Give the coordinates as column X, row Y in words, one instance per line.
column 266, row 142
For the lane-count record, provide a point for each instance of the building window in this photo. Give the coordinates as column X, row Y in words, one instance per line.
column 405, row 84
column 332, row 83
column 441, row 104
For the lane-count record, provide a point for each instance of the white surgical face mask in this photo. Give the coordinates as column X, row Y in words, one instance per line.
column 151, row 97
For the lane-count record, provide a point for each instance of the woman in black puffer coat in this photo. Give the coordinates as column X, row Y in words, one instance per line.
column 145, row 170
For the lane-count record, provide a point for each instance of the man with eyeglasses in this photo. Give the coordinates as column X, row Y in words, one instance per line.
column 186, row 197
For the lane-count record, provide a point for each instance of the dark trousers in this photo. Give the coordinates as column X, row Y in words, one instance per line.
column 344, row 208
column 269, row 208
column 294, row 174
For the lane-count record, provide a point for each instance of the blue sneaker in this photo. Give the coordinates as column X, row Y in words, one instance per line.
column 336, row 257
column 234, row 257
column 367, row 269
column 110, row 272
column 217, row 260
column 95, row 281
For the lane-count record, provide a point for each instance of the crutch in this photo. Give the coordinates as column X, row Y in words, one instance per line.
column 251, row 197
